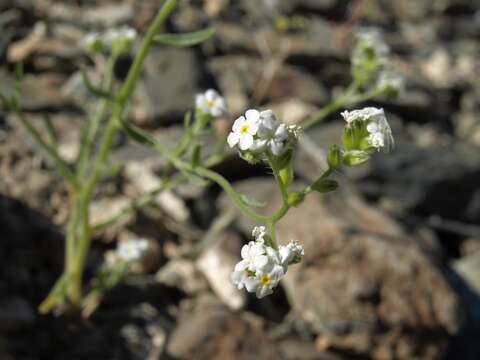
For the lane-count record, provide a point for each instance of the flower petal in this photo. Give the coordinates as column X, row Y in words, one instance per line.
column 246, row 141
column 233, row 139
column 281, row 133
column 263, row 291
column 372, row 127
column 251, row 284
column 211, row 94
column 252, row 115
column 238, row 124
column 258, row 145
column 276, row 147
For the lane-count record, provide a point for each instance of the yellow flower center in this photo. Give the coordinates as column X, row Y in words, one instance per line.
column 244, row 129
column 210, row 104
column 265, row 280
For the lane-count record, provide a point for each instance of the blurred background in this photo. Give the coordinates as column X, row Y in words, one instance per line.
column 392, row 266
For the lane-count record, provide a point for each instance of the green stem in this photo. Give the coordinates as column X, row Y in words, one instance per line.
column 322, row 114
column 148, row 41
column 61, row 165
column 331, row 107
column 94, row 125
column 234, row 196
column 280, row 213
column 271, row 230
column 276, row 174
column 113, row 125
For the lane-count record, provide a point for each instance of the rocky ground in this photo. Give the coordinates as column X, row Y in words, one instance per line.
column 392, row 267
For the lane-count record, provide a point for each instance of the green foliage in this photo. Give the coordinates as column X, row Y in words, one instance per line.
column 184, row 40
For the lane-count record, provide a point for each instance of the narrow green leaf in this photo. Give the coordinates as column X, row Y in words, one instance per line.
column 196, row 155
column 187, row 39
column 324, row 185
column 52, row 133
column 138, row 135
column 249, row 201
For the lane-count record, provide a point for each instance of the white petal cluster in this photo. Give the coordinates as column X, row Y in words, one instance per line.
column 389, row 81
column 259, row 233
column 124, row 33
column 211, row 102
column 365, row 114
column 291, row 253
column 260, row 131
column 92, row 41
column 132, row 250
column 380, row 134
column 372, row 39
column 262, row 267
column 120, row 38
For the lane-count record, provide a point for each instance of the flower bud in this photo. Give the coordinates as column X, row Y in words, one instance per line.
column 355, row 157
column 295, row 198
column 324, row 185
column 334, row 157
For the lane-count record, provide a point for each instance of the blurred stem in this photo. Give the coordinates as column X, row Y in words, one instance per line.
column 60, row 164
column 278, row 179
column 79, row 230
column 94, row 126
column 347, row 98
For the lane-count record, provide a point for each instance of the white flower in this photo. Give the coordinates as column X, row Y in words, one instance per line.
column 380, row 134
column 254, row 259
column 291, row 253
column 264, row 282
column 92, row 42
column 211, row 102
column 239, row 276
column 259, row 233
column 254, row 256
column 372, row 39
column 294, row 132
column 124, row 34
column 365, row 114
column 271, row 134
column 390, row 82
column 262, row 266
column 132, row 250
column 244, row 129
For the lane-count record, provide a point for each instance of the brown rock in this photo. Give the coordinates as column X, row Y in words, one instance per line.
column 211, row 332
column 364, row 284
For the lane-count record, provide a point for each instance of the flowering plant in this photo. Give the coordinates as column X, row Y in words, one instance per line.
column 258, row 136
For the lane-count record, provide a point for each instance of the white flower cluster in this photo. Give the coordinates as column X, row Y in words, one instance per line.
column 124, row 33
column 119, row 38
column 262, row 266
column 388, row 81
column 211, row 102
column 371, row 54
column 380, row 134
column 371, row 40
column 132, row 250
column 260, row 131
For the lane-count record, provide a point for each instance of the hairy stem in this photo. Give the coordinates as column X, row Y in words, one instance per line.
column 113, row 125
